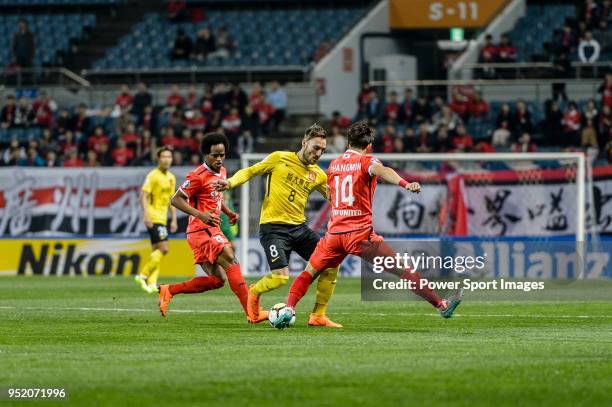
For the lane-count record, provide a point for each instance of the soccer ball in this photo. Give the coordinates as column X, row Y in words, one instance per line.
column 278, row 309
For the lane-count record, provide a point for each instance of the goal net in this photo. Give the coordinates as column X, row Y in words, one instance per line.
column 539, row 196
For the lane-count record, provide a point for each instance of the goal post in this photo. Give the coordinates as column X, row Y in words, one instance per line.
column 570, row 166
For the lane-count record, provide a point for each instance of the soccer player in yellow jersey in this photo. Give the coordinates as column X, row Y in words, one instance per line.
column 292, row 176
column 158, row 188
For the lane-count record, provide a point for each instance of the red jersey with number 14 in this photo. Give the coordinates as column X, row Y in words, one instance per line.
column 351, row 187
column 201, row 195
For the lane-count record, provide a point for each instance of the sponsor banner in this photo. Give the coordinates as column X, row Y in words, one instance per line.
column 110, row 256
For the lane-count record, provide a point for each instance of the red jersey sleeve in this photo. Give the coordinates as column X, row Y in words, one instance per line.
column 370, row 162
column 192, row 184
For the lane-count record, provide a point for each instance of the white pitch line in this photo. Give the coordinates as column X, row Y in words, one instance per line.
column 399, row 314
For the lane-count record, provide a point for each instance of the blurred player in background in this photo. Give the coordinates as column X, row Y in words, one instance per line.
column 211, row 250
column 155, row 196
column 352, row 180
column 292, row 176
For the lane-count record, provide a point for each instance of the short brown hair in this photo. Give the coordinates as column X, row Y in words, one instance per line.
column 360, row 134
column 315, row 131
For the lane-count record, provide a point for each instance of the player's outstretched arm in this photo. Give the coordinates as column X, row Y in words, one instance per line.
column 179, row 201
column 389, row 175
column 245, row 174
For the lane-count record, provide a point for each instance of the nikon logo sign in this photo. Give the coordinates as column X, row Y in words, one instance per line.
column 70, row 259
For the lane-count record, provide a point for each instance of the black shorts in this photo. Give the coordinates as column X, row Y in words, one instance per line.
column 279, row 241
column 158, row 233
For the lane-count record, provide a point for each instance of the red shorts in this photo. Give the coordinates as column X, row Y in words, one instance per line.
column 206, row 245
column 333, row 248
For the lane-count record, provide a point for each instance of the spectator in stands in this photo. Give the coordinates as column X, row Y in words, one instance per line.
column 177, row 158
column 277, row 97
column 489, row 51
column 47, row 142
column 373, row 108
column 524, row 144
column 97, row 139
column 590, row 112
column 250, row 123
column 51, row 159
column 322, row 50
column 606, row 11
column 438, row 104
column 386, row 140
column 590, row 13
column 189, row 144
column 224, row 45
column 522, row 118
column 505, row 115
column 91, row 160
column 177, row 10
column 606, row 90
column 421, row 110
column 220, row 98
column 232, row 125
column 484, row 146
column 424, row 142
column 44, row 109
column 182, row 47
column 337, row 141
column 571, row 126
column 204, row 45
column 406, row 113
column 391, row 111
column 122, row 154
column 265, row 112
column 246, row 143
column 460, row 104
column 7, row 115
column 565, row 41
column 410, row 140
column 63, row 121
column 603, row 36
column 363, row 97
column 24, row 115
column 479, row 108
column 443, row 142
column 33, row 159
column 237, row 98
column 13, row 153
column 589, row 49
column 23, row 46
column 192, row 97
column 125, row 99
column 73, row 160
column 130, row 136
column 562, row 68
column 148, row 120
column 80, row 123
column 175, row 99
column 68, row 142
column 446, row 118
column 501, row 135
column 340, row 121
column 462, row 141
column 142, row 99
column 195, row 120
column 506, row 51
column 169, row 139
column 588, row 135
column 105, row 156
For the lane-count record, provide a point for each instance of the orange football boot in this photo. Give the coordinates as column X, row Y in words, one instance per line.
column 262, row 316
column 322, row 320
column 164, row 299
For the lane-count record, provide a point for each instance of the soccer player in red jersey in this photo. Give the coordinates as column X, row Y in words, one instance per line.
column 352, row 180
column 211, row 250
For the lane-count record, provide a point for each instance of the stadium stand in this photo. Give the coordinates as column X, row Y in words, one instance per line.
column 293, row 39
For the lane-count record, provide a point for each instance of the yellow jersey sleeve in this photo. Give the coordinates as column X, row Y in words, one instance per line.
column 263, row 167
column 148, row 184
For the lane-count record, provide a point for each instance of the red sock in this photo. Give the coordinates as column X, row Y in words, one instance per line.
column 426, row 293
column 299, row 288
column 237, row 284
column 196, row 285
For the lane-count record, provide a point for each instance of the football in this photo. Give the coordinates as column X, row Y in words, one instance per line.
column 276, row 310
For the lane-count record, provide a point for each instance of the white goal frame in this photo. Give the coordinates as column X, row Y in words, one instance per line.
column 579, row 158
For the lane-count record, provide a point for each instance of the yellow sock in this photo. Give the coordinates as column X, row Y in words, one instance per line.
column 268, row 283
column 325, row 289
column 152, row 280
column 154, row 260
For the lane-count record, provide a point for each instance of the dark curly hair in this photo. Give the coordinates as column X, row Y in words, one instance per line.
column 360, row 135
column 212, row 139
column 315, row 131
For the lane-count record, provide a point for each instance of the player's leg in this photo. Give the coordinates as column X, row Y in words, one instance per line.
column 375, row 246
column 275, row 241
column 211, row 281
column 304, row 244
column 157, row 234
column 227, row 261
column 163, row 248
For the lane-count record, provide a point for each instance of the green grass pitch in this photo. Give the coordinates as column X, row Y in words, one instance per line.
column 104, row 341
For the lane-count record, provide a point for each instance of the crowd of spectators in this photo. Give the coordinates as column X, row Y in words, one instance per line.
column 409, row 123
column 129, row 132
column 206, row 45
